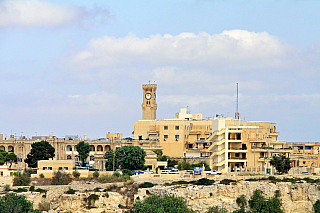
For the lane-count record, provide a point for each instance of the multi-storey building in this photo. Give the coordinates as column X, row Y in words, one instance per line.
column 235, row 144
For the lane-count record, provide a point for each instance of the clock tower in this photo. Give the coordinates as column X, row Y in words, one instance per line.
column 149, row 105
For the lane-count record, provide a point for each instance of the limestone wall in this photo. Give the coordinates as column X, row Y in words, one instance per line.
column 296, row 197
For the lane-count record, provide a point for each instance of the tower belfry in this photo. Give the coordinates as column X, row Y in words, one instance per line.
column 149, row 105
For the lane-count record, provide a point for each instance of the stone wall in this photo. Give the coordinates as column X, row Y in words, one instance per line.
column 296, row 197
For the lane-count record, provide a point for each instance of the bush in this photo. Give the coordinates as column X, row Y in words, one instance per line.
column 97, row 189
column 158, row 203
column 41, row 190
column 76, row 174
column 204, row 181
column 126, row 172
column 41, row 175
column 216, row 209
column 21, row 180
column 146, row 185
column 96, row 174
column 60, row 178
column 92, row 197
column 316, row 206
column 71, row 191
column 20, row 190
column 117, row 174
column 16, row 203
column 227, row 181
column 7, row 188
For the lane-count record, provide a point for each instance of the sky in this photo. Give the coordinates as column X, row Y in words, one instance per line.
column 77, row 67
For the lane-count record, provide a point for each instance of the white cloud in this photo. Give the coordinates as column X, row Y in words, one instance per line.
column 36, row 13
column 236, row 48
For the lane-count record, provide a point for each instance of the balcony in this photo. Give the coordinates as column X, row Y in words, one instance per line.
column 194, row 132
column 153, row 132
column 218, row 152
column 236, row 159
column 237, row 150
column 274, row 133
column 218, row 163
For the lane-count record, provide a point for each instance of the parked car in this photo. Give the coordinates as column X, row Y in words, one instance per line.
column 174, row 171
column 137, row 172
column 213, row 172
column 147, row 172
column 165, row 172
column 189, row 172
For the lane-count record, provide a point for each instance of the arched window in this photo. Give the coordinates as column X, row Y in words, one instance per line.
column 69, row 157
column 76, row 158
column 99, row 148
column 69, row 148
column 10, row 149
column 92, row 148
column 3, row 148
column 107, row 147
column 91, row 158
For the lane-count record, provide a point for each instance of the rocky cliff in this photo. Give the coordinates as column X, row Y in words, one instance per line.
column 296, row 197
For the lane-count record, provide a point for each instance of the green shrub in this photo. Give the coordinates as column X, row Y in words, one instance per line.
column 227, row 181
column 146, row 185
column 20, row 190
column 92, row 198
column 21, row 180
column 41, row 175
column 117, row 174
column 60, row 178
column 216, row 209
column 316, row 206
column 76, row 174
column 71, row 191
column 97, row 189
column 41, row 190
column 204, row 181
column 7, row 188
column 96, row 174
column 31, row 189
column 126, row 172
column 179, row 182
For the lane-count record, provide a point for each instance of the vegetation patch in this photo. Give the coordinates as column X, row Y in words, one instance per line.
column 20, row 190
column 146, row 185
column 227, row 181
column 71, row 191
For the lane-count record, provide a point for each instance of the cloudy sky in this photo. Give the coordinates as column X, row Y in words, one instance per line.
column 77, row 66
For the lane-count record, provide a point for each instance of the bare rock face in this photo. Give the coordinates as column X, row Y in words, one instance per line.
column 296, row 197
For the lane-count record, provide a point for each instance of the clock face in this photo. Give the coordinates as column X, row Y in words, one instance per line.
column 148, row 96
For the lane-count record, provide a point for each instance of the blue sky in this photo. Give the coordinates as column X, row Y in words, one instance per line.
column 76, row 67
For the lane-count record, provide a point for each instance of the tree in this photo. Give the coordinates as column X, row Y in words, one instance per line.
column 109, row 162
column 281, row 163
column 83, row 149
column 161, row 204
column 130, row 157
column 39, row 151
column 13, row 203
column 160, row 156
column 3, row 155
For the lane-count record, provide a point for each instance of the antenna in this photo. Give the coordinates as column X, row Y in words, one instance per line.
column 237, row 114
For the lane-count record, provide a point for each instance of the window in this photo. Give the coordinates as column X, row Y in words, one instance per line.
column 237, row 154
column 60, row 168
column 49, row 168
column 176, row 127
column 44, row 168
column 176, row 137
column 165, row 137
column 165, row 127
column 65, row 168
column 304, row 162
column 140, row 137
